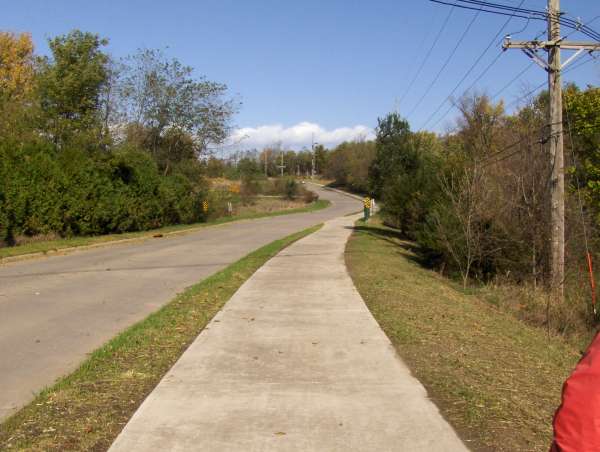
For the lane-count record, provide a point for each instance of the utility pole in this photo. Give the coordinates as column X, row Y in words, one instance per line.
column 312, row 147
column 266, row 151
column 282, row 166
column 557, row 183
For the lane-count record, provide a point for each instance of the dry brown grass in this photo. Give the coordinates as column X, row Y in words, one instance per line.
column 573, row 319
column 495, row 378
column 224, row 184
column 269, row 204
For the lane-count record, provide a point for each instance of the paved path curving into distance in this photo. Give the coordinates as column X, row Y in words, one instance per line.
column 293, row 362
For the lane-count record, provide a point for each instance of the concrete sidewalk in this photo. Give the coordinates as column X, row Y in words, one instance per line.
column 293, row 362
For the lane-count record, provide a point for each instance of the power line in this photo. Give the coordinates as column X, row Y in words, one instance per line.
column 491, row 43
column 464, row 34
column 541, row 85
column 487, row 158
column 504, row 7
column 542, row 15
column 514, row 79
column 537, row 15
column 520, row 74
column 485, row 71
column 520, row 16
column 441, row 30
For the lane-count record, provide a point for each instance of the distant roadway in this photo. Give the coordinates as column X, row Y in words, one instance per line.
column 55, row 310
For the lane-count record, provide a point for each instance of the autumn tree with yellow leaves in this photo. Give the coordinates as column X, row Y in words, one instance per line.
column 16, row 65
column 17, row 85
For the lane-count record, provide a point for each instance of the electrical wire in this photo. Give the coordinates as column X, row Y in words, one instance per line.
column 459, row 42
column 435, row 41
column 524, row 96
column 491, row 43
column 518, row 76
column 576, row 30
column 537, row 15
column 541, row 85
column 514, row 79
column 485, row 71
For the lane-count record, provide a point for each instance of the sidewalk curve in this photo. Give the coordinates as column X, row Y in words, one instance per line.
column 293, row 362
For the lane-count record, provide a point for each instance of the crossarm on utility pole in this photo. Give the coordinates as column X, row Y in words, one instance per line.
column 546, row 45
column 530, row 49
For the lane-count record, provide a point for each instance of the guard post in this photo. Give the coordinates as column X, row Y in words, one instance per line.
column 367, row 208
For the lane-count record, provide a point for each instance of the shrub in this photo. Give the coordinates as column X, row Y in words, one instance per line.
column 309, row 196
column 286, row 187
column 72, row 192
column 249, row 188
column 290, row 188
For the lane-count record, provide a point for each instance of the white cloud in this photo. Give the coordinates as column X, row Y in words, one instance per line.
column 297, row 136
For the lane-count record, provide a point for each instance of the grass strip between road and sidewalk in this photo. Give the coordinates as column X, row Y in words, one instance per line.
column 46, row 246
column 87, row 409
column 496, row 379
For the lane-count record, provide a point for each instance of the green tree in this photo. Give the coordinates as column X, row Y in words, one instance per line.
column 583, row 114
column 162, row 99
column 70, row 84
column 321, row 156
column 348, row 164
column 393, row 151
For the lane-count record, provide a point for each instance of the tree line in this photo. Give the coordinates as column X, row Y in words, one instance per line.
column 90, row 144
column 476, row 198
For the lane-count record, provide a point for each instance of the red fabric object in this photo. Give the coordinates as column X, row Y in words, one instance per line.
column 577, row 420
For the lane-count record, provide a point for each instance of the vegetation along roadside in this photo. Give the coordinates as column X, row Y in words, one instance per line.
column 46, row 246
column 495, row 378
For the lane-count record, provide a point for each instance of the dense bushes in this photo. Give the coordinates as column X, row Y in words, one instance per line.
column 89, row 145
column 69, row 192
column 349, row 163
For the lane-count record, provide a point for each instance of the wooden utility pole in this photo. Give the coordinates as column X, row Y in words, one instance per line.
column 557, row 179
column 266, row 151
column 557, row 183
column 312, row 147
column 282, row 166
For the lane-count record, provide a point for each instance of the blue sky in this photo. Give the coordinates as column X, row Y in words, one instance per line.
column 328, row 67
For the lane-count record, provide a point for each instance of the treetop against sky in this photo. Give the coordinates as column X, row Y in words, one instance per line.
column 315, row 69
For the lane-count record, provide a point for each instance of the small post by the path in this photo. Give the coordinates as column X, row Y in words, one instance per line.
column 367, row 208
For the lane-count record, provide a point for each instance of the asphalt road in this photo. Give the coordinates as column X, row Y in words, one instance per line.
column 56, row 310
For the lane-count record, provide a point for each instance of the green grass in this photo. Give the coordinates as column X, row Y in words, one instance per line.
column 61, row 244
column 495, row 378
column 87, row 409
